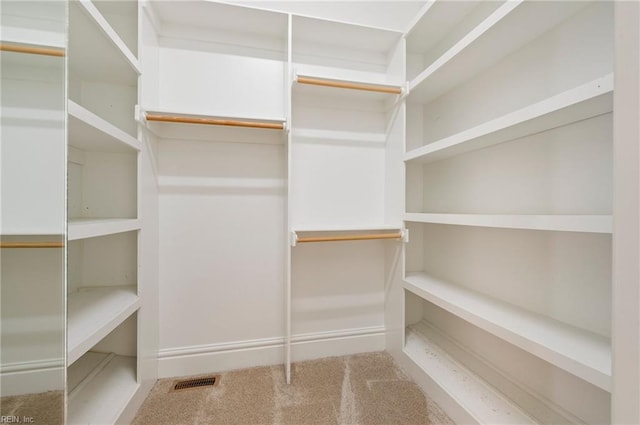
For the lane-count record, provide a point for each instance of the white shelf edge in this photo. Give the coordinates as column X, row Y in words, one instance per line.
column 106, row 395
column 478, row 398
column 466, row 41
column 110, row 33
column 89, row 228
column 581, row 353
column 560, row 223
column 345, row 136
column 586, row 101
column 94, row 313
column 101, row 125
column 176, row 182
column 344, row 228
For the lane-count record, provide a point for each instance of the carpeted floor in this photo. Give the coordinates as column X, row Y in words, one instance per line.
column 363, row 389
column 36, row 409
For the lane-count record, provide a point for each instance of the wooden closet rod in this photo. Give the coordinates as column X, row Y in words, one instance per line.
column 18, row 48
column 215, row 121
column 364, row 237
column 346, row 85
column 31, row 244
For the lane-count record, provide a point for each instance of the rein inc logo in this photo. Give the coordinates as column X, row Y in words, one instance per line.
column 16, row 420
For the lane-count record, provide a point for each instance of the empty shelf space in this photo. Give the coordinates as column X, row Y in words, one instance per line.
column 89, row 228
column 586, row 101
column 101, row 387
column 87, row 131
column 508, row 28
column 98, row 53
column 93, row 313
column 478, row 398
column 561, row 223
column 582, row 353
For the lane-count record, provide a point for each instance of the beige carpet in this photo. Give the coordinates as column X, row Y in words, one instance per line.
column 363, row 389
column 36, row 409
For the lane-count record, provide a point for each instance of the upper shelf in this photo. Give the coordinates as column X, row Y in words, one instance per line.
column 97, row 53
column 196, row 126
column 509, row 27
column 584, row 354
column 586, row 101
column 89, row 132
column 225, row 18
column 35, row 23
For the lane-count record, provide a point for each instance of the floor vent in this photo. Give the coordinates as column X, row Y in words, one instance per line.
column 187, row 384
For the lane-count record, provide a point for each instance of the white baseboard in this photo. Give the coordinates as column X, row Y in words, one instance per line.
column 32, row 377
column 269, row 351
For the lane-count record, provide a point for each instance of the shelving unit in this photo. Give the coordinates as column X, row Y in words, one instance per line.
column 508, row 177
column 346, row 112
column 103, row 209
column 222, row 188
column 32, row 208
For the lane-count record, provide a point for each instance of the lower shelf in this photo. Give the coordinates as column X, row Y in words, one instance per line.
column 94, row 313
column 584, row 354
column 471, row 392
column 100, row 387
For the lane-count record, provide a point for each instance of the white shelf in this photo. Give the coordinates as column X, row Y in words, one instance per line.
column 38, row 24
column 339, row 136
column 207, row 132
column 344, row 228
column 479, row 399
column 226, row 18
column 308, row 31
column 94, row 313
column 89, row 132
column 560, row 223
column 434, row 22
column 103, row 398
column 582, row 353
column 96, row 52
column 510, row 27
column 89, row 228
column 586, row 101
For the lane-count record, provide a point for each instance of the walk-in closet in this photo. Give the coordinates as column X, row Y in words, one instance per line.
column 335, row 212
